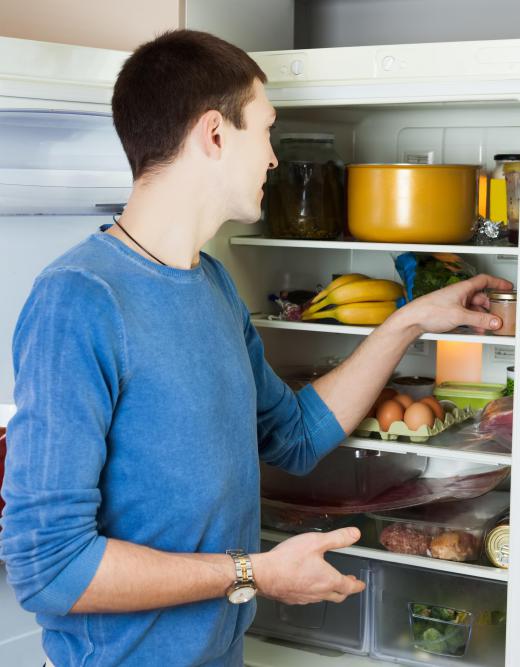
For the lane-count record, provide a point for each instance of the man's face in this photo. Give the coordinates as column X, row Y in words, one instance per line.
column 250, row 156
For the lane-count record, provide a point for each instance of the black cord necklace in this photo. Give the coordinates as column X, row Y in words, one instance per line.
column 136, row 242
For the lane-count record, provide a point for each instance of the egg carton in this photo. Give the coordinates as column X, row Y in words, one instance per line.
column 453, row 415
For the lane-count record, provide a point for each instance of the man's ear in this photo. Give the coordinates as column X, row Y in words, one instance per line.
column 208, row 133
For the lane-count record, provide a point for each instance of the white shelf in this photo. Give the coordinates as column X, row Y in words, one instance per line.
column 361, row 245
column 260, row 320
column 263, row 652
column 467, row 569
column 432, row 451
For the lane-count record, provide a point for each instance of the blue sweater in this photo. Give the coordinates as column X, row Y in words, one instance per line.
column 143, row 404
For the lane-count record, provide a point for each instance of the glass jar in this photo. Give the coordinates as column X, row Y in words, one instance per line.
column 512, row 173
column 500, row 161
column 305, row 194
column 503, row 304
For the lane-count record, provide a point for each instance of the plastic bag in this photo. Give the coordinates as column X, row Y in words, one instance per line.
column 422, row 273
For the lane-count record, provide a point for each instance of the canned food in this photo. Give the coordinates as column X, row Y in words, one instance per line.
column 497, row 546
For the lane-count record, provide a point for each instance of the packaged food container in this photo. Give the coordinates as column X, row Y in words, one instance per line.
column 475, row 395
column 440, row 630
column 305, row 194
column 342, row 626
column 395, row 588
column 412, row 203
column 449, row 531
column 503, row 304
column 497, row 544
column 343, row 474
column 415, row 386
column 497, row 187
column 512, row 174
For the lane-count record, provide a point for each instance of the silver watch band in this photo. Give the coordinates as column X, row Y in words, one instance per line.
column 243, row 566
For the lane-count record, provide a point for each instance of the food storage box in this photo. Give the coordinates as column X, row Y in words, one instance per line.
column 474, row 395
column 450, row 531
column 345, row 473
column 396, row 633
column 440, row 630
column 340, row 626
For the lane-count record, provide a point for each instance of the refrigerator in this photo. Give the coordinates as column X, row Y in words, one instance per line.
column 63, row 173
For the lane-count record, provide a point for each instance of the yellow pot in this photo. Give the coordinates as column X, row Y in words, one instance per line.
column 412, row 203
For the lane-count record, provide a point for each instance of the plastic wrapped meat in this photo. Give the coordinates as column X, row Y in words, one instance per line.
column 497, row 420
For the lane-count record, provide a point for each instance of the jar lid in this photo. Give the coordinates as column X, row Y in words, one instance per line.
column 307, row 136
column 511, row 157
column 503, row 295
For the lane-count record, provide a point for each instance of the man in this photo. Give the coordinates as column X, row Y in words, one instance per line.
column 144, row 400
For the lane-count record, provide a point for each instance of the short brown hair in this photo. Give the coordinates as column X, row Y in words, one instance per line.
column 167, row 84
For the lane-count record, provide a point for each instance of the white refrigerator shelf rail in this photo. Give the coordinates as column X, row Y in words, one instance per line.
column 260, row 320
column 429, row 450
column 263, row 241
column 467, row 569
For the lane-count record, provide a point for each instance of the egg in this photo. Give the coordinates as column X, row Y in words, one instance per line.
column 386, row 394
column 403, row 399
column 417, row 415
column 387, row 413
column 434, row 404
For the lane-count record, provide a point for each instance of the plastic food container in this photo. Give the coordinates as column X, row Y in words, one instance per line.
column 343, row 474
column 415, row 386
column 449, row 531
column 475, row 395
column 503, row 304
column 440, row 630
column 411, row 203
column 304, row 195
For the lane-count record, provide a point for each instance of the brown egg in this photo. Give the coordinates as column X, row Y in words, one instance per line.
column 386, row 394
column 387, row 413
column 403, row 399
column 417, row 415
column 434, row 404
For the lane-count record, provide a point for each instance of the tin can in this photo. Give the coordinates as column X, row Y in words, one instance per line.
column 497, row 546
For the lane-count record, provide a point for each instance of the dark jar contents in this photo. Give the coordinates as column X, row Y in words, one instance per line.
column 503, row 304
column 305, row 194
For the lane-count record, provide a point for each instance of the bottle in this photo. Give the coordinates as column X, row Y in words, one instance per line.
column 512, row 173
column 304, row 195
column 497, row 187
column 496, row 543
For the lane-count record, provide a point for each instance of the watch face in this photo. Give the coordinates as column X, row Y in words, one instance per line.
column 242, row 594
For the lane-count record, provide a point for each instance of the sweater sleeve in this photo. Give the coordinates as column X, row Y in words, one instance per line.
column 69, row 362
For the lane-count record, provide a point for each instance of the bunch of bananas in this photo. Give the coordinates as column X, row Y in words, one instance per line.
column 358, row 299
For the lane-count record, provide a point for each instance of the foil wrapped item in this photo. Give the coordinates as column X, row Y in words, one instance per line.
column 487, row 232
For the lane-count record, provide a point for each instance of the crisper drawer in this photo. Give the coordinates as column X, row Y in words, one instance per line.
column 342, row 626
column 420, row 617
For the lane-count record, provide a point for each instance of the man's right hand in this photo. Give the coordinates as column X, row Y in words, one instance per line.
column 295, row 571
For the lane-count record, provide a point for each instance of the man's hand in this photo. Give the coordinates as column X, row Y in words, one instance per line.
column 463, row 303
column 295, row 572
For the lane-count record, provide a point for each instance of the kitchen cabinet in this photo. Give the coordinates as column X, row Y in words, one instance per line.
column 117, row 24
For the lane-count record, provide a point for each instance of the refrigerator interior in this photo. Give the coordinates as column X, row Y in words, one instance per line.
column 450, row 133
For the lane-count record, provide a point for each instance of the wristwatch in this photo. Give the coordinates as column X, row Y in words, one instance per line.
column 243, row 588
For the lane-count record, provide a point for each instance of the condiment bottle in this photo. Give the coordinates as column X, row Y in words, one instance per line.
column 503, row 304
column 512, row 173
column 497, row 187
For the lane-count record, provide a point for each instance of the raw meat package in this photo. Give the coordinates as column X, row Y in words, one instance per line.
column 450, row 531
column 497, row 417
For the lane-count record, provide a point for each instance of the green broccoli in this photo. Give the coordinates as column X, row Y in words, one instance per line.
column 455, row 640
column 421, row 610
column 433, row 640
column 443, row 613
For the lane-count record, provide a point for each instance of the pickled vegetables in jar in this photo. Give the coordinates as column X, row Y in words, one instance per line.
column 305, row 194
